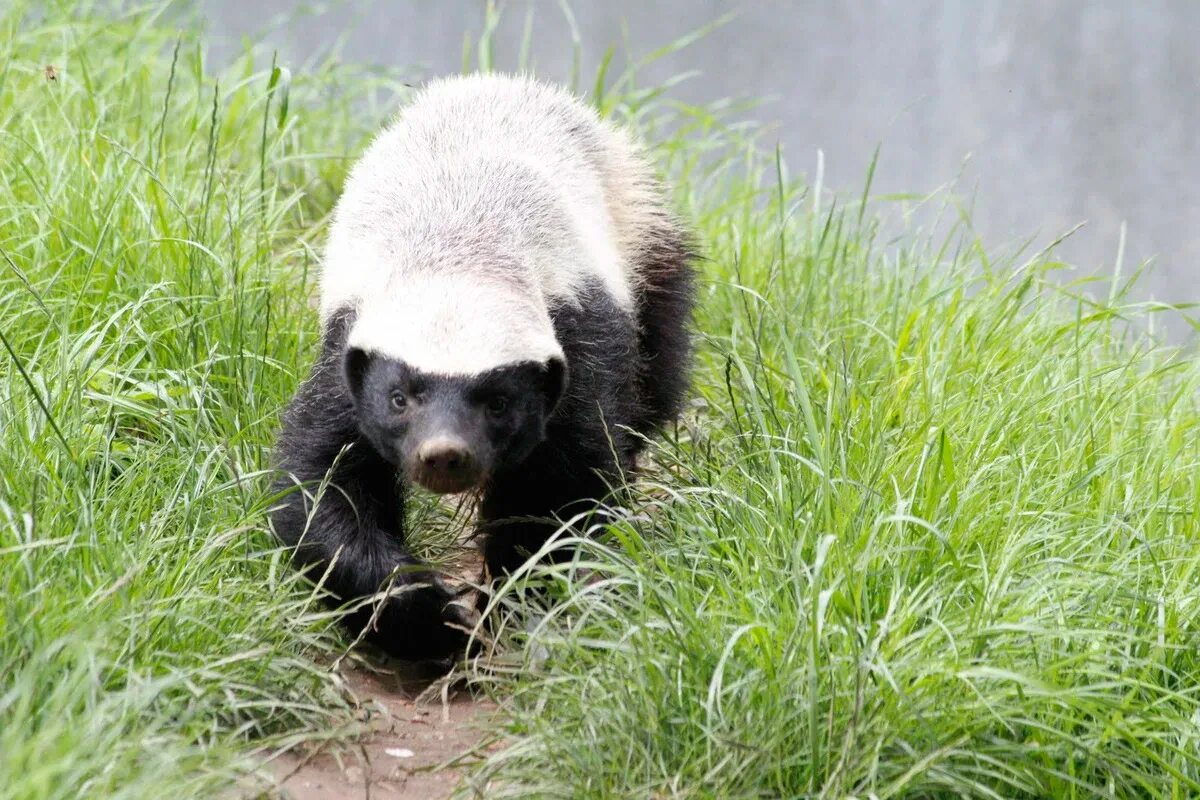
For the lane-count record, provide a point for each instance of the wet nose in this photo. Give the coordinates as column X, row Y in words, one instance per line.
column 446, row 456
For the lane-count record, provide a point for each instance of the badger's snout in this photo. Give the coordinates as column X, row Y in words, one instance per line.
column 445, row 464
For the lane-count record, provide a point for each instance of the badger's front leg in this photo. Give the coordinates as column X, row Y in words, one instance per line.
column 518, row 514
column 345, row 522
column 578, row 466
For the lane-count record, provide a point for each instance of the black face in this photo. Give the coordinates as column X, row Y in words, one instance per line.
column 450, row 434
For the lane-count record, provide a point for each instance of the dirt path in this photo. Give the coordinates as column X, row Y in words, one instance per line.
column 414, row 747
column 416, row 744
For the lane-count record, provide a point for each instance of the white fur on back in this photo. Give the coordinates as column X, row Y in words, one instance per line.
column 488, row 200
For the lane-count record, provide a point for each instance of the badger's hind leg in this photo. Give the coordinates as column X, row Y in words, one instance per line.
column 352, row 539
column 666, row 298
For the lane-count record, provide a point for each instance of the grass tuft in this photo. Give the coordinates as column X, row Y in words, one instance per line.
column 156, row 226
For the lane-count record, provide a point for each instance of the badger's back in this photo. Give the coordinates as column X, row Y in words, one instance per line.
column 479, row 168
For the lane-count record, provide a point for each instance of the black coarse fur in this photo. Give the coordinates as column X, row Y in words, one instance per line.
column 352, row 541
column 665, row 300
column 589, row 442
column 627, row 376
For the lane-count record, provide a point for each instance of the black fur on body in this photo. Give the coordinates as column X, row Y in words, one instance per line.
column 626, row 378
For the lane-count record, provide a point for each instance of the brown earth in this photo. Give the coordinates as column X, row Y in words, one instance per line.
column 414, row 746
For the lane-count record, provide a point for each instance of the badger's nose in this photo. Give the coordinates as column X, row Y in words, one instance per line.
column 445, row 464
column 444, row 455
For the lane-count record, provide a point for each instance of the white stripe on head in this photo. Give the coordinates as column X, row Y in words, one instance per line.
column 452, row 325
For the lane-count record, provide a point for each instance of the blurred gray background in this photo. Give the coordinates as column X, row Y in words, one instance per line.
column 1047, row 113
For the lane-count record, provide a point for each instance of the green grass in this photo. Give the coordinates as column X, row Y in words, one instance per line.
column 931, row 528
column 155, row 231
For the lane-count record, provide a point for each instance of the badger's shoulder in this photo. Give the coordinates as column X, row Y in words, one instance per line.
column 589, row 158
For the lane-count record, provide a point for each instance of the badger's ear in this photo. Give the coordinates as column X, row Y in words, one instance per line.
column 554, row 382
column 355, row 365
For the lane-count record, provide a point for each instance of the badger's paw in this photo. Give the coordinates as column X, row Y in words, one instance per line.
column 423, row 621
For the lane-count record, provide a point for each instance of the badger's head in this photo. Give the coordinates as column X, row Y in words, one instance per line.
column 456, row 385
column 449, row 433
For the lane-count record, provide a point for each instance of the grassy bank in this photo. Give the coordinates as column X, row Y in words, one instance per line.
column 155, row 225
column 930, row 529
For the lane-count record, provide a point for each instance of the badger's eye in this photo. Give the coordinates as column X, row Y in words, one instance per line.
column 399, row 401
column 497, row 404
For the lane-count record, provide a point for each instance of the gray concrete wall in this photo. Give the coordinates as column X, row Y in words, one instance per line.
column 1069, row 111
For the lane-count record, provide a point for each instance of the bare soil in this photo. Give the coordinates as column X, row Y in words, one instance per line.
column 415, row 745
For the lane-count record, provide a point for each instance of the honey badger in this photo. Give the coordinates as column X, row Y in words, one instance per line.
column 505, row 303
